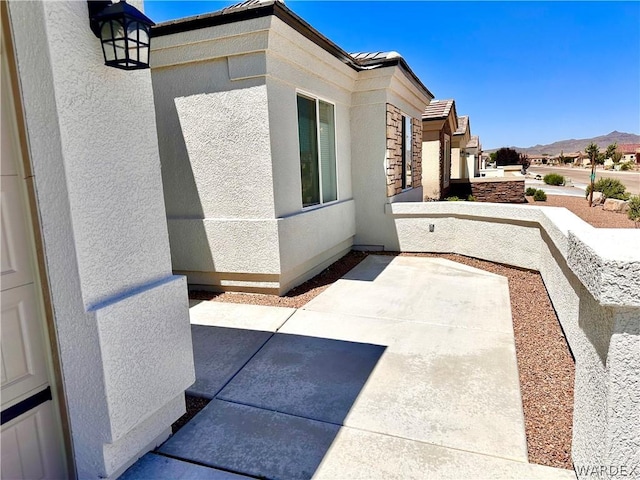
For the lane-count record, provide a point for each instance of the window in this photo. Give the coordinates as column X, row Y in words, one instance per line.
column 447, row 161
column 317, row 135
column 406, row 152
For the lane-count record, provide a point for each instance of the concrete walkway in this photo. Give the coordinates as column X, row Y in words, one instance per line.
column 405, row 369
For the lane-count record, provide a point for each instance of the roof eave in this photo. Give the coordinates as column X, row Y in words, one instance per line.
column 286, row 15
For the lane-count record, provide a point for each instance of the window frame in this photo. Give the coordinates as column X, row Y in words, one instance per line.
column 317, row 99
column 407, row 120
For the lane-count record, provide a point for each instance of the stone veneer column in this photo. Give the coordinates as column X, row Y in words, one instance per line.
column 394, row 151
column 416, row 162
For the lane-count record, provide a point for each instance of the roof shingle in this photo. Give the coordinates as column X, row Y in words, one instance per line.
column 438, row 109
column 463, row 125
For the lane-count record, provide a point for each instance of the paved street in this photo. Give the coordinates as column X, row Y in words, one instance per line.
column 580, row 176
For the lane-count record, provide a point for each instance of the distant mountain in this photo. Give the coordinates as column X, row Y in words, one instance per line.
column 573, row 145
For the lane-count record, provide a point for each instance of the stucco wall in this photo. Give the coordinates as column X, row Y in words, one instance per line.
column 431, row 169
column 593, row 288
column 94, row 154
column 228, row 134
column 375, row 89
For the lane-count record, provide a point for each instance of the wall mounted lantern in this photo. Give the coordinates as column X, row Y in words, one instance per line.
column 123, row 31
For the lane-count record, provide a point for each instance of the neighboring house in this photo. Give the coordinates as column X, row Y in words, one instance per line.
column 279, row 149
column 474, row 153
column 439, row 122
column 96, row 341
column 630, row 152
column 461, row 137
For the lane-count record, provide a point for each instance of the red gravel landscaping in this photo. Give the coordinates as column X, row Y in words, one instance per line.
column 545, row 365
column 595, row 216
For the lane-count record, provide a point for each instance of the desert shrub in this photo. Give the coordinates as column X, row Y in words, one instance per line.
column 626, row 166
column 634, row 208
column 540, row 196
column 471, row 198
column 610, row 188
column 530, row 192
column 553, row 179
column 452, row 199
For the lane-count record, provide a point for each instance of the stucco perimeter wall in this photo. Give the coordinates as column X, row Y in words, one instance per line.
column 592, row 277
column 120, row 317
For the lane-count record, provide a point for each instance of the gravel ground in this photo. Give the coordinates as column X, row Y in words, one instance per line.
column 545, row 365
column 596, row 216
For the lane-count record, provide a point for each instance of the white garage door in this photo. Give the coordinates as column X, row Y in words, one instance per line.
column 31, row 441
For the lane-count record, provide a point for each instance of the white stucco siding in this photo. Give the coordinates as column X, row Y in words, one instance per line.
column 96, row 181
column 368, row 133
column 291, row 47
column 373, row 90
column 311, row 233
column 210, row 43
column 197, row 107
column 226, row 135
column 225, row 245
column 101, row 127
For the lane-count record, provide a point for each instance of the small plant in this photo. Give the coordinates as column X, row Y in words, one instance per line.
column 634, row 209
column 452, row 199
column 553, row 179
column 626, row 166
column 530, row 192
column 471, row 198
column 540, row 196
column 610, row 188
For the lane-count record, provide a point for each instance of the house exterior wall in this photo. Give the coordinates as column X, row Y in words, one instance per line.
column 228, row 134
column 459, row 142
column 377, row 92
column 593, row 290
column 436, row 145
column 120, row 315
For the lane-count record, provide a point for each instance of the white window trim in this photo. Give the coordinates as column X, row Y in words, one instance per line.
column 317, row 99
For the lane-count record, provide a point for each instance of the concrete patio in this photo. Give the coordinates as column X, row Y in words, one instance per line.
column 405, row 368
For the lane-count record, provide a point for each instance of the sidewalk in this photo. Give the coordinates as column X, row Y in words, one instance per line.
column 405, row 368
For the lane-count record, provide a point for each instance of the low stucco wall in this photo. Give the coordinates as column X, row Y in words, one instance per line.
column 593, row 279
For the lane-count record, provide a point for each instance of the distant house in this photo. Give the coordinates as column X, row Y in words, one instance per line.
column 474, row 154
column 439, row 123
column 630, row 152
column 462, row 135
column 278, row 148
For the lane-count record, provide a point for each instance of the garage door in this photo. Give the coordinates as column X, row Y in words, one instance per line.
column 32, row 444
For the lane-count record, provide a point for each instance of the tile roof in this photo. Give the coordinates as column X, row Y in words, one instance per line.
column 248, row 4
column 474, row 142
column 438, row 109
column 374, row 58
column 463, row 125
column 627, row 148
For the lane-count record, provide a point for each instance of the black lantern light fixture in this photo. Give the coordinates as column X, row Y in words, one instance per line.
column 124, row 32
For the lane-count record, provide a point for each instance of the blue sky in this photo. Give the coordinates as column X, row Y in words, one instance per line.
column 525, row 72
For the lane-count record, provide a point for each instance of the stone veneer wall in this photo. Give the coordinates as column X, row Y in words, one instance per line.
column 494, row 190
column 416, row 163
column 394, row 151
